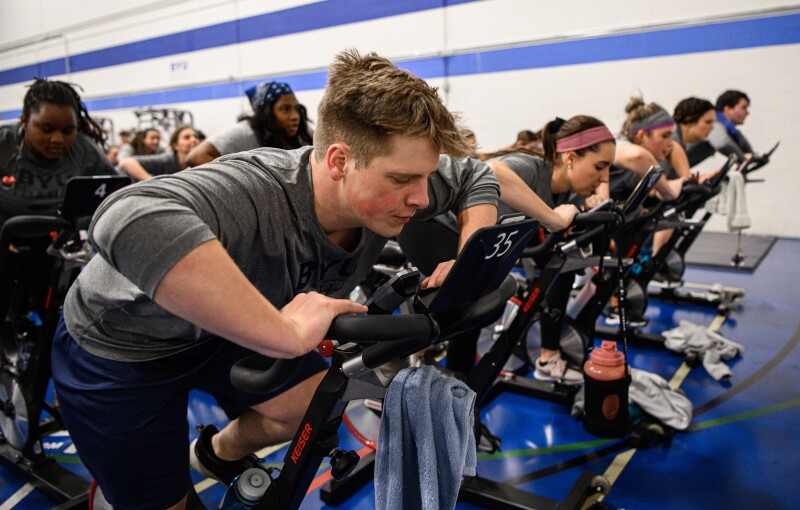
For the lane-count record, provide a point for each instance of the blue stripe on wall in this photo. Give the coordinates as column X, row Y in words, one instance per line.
column 733, row 35
column 289, row 21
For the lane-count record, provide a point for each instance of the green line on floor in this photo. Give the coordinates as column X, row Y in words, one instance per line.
column 65, row 459
column 744, row 416
column 530, row 452
column 544, row 450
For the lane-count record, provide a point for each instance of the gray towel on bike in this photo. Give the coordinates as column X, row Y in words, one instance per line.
column 714, row 348
column 653, row 395
column 732, row 202
column 426, row 441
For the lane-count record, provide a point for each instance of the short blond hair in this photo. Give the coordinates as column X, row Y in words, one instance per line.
column 368, row 99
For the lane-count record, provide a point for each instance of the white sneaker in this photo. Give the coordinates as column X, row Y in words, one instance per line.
column 556, row 370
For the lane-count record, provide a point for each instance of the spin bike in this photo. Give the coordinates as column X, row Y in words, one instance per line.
column 40, row 257
column 552, row 255
column 670, row 259
column 474, row 294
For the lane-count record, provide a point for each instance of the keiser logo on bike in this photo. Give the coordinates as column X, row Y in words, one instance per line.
column 301, row 443
column 531, row 299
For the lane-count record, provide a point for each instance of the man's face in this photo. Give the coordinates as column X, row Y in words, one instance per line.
column 385, row 194
column 738, row 113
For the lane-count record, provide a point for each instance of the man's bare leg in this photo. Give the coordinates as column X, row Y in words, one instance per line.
column 266, row 424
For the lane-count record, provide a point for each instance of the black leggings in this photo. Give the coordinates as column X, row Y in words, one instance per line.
column 556, row 298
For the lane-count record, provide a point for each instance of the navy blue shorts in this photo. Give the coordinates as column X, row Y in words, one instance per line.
column 128, row 420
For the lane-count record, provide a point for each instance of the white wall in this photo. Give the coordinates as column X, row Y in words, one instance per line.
column 495, row 104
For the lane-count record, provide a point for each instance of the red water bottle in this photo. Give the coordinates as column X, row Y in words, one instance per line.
column 607, row 378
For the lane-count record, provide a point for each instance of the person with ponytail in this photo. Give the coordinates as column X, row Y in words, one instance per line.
column 278, row 121
column 646, row 140
column 146, row 142
column 55, row 139
column 578, row 154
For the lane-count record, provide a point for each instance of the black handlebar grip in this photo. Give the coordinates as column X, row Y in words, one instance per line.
column 696, row 189
column 589, row 236
column 380, row 328
column 596, row 218
column 61, row 239
column 260, row 374
column 479, row 313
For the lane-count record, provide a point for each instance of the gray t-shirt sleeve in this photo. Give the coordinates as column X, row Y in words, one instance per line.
column 143, row 230
column 160, row 164
column 238, row 138
column 143, row 236
column 458, row 185
column 535, row 172
column 125, row 151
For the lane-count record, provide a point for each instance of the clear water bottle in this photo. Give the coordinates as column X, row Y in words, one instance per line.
column 247, row 490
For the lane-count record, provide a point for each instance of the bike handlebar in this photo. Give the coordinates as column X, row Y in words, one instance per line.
column 394, row 336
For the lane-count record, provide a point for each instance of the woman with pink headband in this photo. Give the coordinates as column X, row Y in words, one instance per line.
column 578, row 154
column 577, row 157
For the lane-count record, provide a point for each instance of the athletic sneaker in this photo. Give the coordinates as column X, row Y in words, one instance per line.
column 634, row 321
column 556, row 370
column 205, row 461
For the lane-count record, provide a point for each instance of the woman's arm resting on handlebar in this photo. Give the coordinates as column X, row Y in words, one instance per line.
column 518, row 195
column 639, row 160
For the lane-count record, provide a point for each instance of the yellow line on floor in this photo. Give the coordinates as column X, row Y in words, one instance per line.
column 679, row 376
column 621, row 461
column 17, row 497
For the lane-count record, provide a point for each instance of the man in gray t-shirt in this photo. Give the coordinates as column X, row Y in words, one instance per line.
column 248, row 253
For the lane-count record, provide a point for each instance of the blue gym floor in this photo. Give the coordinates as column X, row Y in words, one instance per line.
column 740, row 453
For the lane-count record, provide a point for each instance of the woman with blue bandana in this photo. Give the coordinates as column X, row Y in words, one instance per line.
column 278, row 121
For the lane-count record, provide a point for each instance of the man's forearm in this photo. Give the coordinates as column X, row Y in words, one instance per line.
column 474, row 218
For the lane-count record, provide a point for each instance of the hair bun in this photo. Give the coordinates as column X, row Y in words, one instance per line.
column 634, row 103
column 555, row 125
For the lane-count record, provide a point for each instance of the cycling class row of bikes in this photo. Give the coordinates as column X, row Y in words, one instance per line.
column 497, row 287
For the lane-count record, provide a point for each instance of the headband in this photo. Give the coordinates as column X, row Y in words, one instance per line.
column 653, row 121
column 583, row 139
column 266, row 93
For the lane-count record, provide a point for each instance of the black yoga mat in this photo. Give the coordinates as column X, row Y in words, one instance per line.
column 715, row 250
